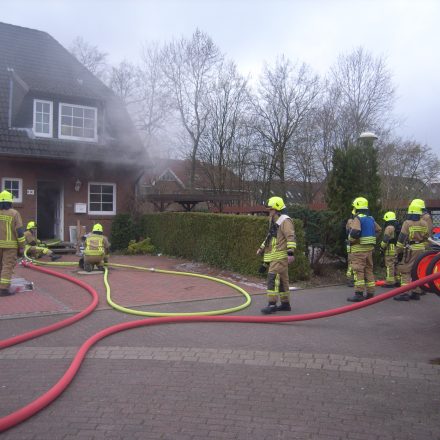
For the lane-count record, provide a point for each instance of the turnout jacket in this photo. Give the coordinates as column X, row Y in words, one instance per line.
column 280, row 239
column 388, row 241
column 414, row 233
column 96, row 244
column 363, row 233
column 11, row 229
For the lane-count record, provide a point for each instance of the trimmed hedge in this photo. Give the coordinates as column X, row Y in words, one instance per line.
column 225, row 241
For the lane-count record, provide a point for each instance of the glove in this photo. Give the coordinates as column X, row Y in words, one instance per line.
column 290, row 259
column 262, row 269
column 399, row 257
column 20, row 252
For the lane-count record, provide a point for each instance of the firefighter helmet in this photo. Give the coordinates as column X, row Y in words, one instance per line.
column 360, row 203
column 5, row 196
column 390, row 215
column 97, row 228
column 414, row 208
column 419, row 202
column 31, row 225
column 276, row 203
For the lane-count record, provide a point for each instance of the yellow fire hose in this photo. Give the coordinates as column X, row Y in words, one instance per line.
column 163, row 271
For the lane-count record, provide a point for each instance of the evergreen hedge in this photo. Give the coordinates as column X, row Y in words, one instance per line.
column 225, row 241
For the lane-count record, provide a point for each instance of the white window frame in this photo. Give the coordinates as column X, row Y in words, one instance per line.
column 18, row 199
column 78, row 138
column 38, row 133
column 91, row 212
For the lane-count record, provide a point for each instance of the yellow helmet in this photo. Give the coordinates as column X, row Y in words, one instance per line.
column 97, row 228
column 390, row 215
column 419, row 202
column 413, row 208
column 360, row 203
column 31, row 225
column 5, row 196
column 276, row 203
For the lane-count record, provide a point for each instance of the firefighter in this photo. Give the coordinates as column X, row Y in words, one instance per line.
column 349, row 274
column 362, row 238
column 425, row 216
column 410, row 244
column 388, row 247
column 96, row 249
column 11, row 241
column 278, row 248
column 35, row 248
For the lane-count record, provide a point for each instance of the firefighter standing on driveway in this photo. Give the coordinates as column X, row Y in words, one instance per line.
column 349, row 273
column 278, row 248
column 96, row 249
column 34, row 247
column 388, row 247
column 411, row 243
column 362, row 238
column 11, row 241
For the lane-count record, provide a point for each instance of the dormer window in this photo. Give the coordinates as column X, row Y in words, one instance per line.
column 43, row 111
column 78, row 122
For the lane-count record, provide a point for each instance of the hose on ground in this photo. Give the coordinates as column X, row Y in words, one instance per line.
column 45, row 399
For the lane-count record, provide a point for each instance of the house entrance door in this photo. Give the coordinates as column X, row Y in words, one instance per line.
column 49, row 210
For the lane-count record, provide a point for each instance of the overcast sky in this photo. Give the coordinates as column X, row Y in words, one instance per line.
column 405, row 32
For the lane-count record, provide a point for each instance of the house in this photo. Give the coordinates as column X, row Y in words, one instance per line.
column 69, row 152
column 166, row 186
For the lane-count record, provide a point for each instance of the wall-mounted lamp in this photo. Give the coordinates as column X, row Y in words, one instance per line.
column 77, row 185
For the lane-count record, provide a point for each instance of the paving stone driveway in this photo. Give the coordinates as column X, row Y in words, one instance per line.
column 360, row 375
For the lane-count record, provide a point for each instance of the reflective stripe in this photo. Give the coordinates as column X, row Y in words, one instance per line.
column 361, row 248
column 291, row 245
column 367, row 240
column 418, row 246
column 278, row 255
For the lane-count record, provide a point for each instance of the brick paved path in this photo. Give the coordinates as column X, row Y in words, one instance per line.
column 361, row 375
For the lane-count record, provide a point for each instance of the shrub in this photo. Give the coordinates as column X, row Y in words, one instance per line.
column 225, row 241
column 140, row 248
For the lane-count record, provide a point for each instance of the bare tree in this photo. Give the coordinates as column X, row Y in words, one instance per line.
column 190, row 66
column 153, row 111
column 407, row 171
column 285, row 98
column 123, row 80
column 219, row 147
column 90, row 56
column 365, row 94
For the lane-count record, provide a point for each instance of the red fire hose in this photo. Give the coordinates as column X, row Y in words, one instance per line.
column 50, row 328
column 45, row 399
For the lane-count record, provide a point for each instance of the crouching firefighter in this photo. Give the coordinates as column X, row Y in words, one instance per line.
column 34, row 248
column 411, row 243
column 278, row 248
column 362, row 237
column 96, row 249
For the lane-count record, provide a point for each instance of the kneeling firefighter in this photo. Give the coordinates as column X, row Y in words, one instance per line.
column 35, row 248
column 96, row 249
column 278, row 248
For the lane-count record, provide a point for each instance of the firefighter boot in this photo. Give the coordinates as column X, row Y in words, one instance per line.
column 88, row 267
column 357, row 297
column 284, row 307
column 6, row 292
column 101, row 268
column 415, row 296
column 402, row 297
column 270, row 308
column 55, row 257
